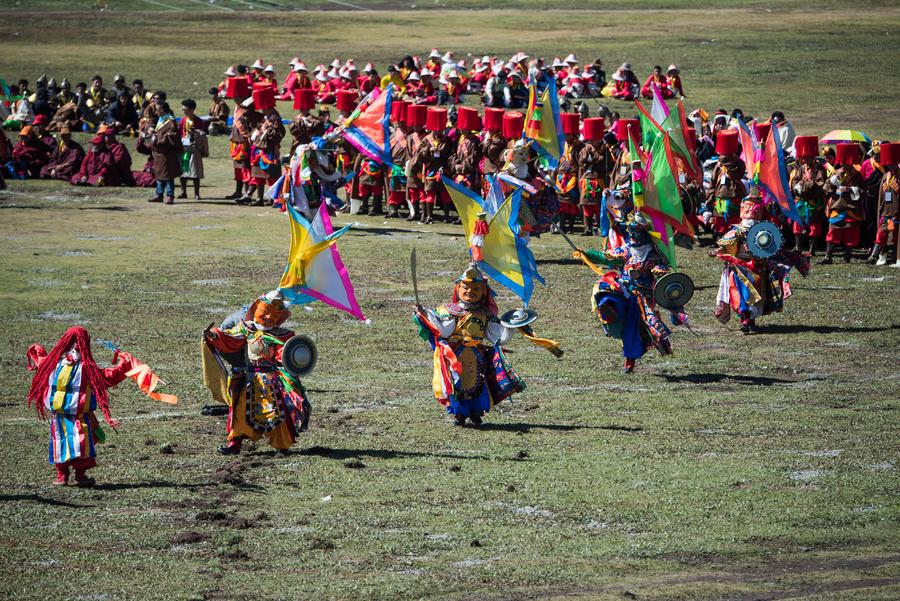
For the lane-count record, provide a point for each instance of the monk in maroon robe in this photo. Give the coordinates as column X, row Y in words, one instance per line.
column 98, row 168
column 121, row 156
column 66, row 158
column 30, row 153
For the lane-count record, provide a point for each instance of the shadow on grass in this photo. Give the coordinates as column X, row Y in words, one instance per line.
column 716, row 378
column 42, row 500
column 216, row 201
column 800, row 328
column 341, row 454
column 524, row 427
column 115, row 208
column 150, row 484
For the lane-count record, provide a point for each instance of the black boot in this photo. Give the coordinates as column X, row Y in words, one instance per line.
column 848, row 254
column 829, row 250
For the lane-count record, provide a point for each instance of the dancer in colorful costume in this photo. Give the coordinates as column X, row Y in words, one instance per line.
column 623, row 299
column 70, row 385
column 752, row 286
column 471, row 372
column 263, row 397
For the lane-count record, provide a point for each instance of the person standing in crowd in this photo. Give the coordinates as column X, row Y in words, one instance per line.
column 166, row 150
column 807, row 181
column 193, row 139
column 888, row 222
column 218, row 114
column 265, row 155
column 844, row 203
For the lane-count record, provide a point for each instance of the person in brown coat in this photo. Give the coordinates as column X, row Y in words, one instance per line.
column 265, row 156
column 166, row 147
column 888, row 206
column 845, row 211
column 66, row 158
column 218, row 114
column 595, row 163
column 245, row 121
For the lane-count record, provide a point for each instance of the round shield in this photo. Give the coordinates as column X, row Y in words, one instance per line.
column 299, row 355
column 673, row 290
column 764, row 240
column 516, row 318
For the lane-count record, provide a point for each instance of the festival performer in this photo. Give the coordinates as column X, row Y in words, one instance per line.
column 66, row 158
column 432, row 158
column 888, row 202
column 623, row 299
column 566, row 176
column 492, row 146
column 415, row 120
column 594, row 166
column 844, row 209
column 396, row 179
column 471, row 373
column 371, row 175
column 304, row 127
column 727, row 186
column 70, row 386
column 752, row 286
column 265, row 155
column 807, row 181
column 467, row 156
column 263, row 397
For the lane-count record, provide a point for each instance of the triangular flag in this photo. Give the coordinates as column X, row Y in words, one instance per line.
column 506, row 256
column 658, row 109
column 368, row 129
column 751, row 152
column 315, row 271
column 773, row 176
column 543, row 123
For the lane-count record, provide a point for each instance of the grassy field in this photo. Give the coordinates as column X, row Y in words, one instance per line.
column 760, row 467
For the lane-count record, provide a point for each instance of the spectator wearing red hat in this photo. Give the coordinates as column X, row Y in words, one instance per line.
column 565, row 179
column 98, row 167
column 888, row 222
column 661, row 82
column 726, row 186
column 594, row 166
column 844, row 209
column 807, row 181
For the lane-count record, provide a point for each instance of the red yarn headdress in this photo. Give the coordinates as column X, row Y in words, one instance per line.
column 91, row 373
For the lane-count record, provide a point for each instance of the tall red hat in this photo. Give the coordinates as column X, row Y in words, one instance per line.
column 398, row 111
column 436, row 119
column 890, row 153
column 415, row 115
column 467, row 119
column 237, row 87
column 621, row 129
column 264, row 98
column 806, row 147
column 727, row 142
column 848, row 153
column 513, row 124
column 346, row 101
column 493, row 119
column 594, row 128
column 570, row 123
column 762, row 131
column 304, row 99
